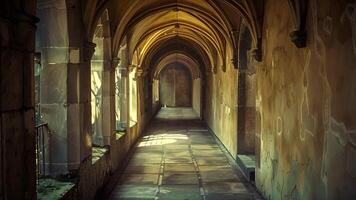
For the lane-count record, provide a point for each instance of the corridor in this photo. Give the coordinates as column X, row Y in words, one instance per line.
column 177, row 99
column 179, row 159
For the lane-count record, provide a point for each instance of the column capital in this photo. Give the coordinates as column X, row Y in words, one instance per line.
column 139, row 73
column 115, row 62
column 131, row 67
column 88, row 51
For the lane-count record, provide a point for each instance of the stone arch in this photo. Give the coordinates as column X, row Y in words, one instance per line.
column 100, row 81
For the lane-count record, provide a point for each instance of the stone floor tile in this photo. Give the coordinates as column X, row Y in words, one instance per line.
column 208, row 153
column 214, row 168
column 139, row 179
column 219, row 177
column 176, row 146
column 203, row 141
column 165, row 162
column 148, row 155
column 145, row 168
column 225, row 187
column 178, row 160
column 180, row 178
column 134, row 192
column 229, row 197
column 212, row 161
column 179, row 168
column 177, row 153
column 137, row 161
column 179, row 192
column 204, row 146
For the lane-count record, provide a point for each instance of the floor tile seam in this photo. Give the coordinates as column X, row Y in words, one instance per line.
column 233, row 165
column 162, row 170
column 197, row 171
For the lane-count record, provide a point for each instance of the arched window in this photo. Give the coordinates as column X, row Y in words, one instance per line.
column 121, row 92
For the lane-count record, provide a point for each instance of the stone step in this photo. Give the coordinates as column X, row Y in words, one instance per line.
column 247, row 164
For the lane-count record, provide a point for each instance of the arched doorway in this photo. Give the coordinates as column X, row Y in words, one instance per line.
column 176, row 86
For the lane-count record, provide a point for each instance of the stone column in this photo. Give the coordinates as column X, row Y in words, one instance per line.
column 246, row 112
column 129, row 96
column 17, row 132
column 108, row 86
column 52, row 43
column 122, row 97
column 140, row 98
column 65, row 95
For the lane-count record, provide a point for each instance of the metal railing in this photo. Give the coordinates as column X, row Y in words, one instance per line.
column 42, row 136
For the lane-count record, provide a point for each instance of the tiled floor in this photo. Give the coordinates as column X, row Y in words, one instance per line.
column 180, row 160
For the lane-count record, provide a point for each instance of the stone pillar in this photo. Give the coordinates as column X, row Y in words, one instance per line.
column 139, row 78
column 85, row 101
column 17, row 126
column 123, row 97
column 246, row 112
column 53, row 85
column 108, row 93
column 130, row 97
column 97, row 90
column 65, row 95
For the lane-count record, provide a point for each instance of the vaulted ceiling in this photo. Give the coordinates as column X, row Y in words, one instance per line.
column 205, row 31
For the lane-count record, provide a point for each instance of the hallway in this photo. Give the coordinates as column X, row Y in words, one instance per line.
column 182, row 99
column 178, row 158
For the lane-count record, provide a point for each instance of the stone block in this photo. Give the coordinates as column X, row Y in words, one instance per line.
column 107, row 85
column 73, row 86
column 74, row 55
column 73, row 136
column 14, row 157
column 85, row 83
column 28, row 81
column 54, row 84
column 53, row 28
column 55, row 55
column 56, row 117
column 11, row 80
column 86, row 135
column 179, row 192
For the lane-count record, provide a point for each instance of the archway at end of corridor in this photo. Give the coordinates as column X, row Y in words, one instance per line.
column 177, row 84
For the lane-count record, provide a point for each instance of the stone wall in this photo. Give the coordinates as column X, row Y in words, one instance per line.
column 306, row 98
column 94, row 176
column 220, row 111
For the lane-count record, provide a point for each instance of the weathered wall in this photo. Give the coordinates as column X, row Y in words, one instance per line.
column 94, row 176
column 176, row 86
column 306, row 98
column 220, row 106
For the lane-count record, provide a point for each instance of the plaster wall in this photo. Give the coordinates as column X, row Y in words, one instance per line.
column 306, row 101
column 220, row 111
